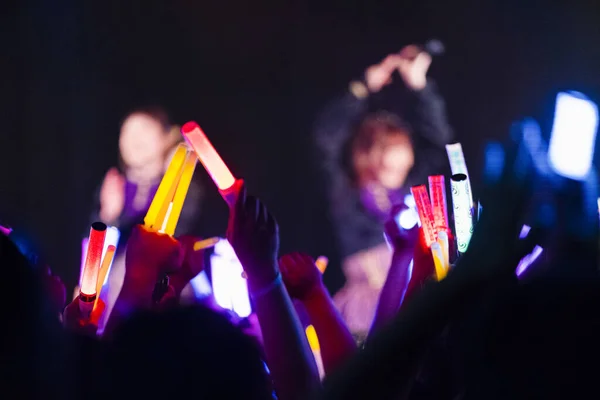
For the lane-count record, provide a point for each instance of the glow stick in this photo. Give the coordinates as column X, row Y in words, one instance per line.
column 105, row 267
column 458, row 164
column 322, row 263
column 444, row 243
column 437, row 190
column 201, row 285
column 313, row 341
column 529, row 258
column 211, row 160
column 463, row 214
column 183, row 185
column 438, row 261
column 479, row 210
column 87, row 293
column 111, row 239
column 157, row 212
column 229, row 287
column 573, row 135
column 206, row 243
column 5, row 231
column 425, row 213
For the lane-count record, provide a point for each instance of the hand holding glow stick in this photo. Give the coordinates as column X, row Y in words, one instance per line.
column 208, row 156
column 87, row 294
column 463, row 211
column 425, row 213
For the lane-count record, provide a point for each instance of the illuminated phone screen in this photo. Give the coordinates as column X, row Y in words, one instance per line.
column 573, row 135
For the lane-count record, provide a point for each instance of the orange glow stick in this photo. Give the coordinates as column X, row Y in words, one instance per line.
column 437, row 190
column 444, row 243
column 157, row 212
column 313, row 341
column 105, row 266
column 425, row 213
column 322, row 263
column 206, row 243
column 208, row 156
column 438, row 261
column 87, row 292
column 183, row 185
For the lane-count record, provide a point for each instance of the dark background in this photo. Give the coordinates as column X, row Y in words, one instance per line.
column 253, row 74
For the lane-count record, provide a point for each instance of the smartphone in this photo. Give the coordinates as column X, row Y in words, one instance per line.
column 573, row 135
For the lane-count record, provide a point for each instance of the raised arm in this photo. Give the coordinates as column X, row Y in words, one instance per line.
column 304, row 282
column 254, row 235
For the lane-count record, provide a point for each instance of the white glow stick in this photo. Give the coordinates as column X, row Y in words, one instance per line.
column 463, row 211
column 573, row 135
column 229, row 287
column 458, row 165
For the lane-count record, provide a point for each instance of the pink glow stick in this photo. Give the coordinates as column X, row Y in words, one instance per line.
column 425, row 213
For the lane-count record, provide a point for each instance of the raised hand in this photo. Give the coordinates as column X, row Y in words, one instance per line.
column 74, row 320
column 254, row 235
column 149, row 256
column 495, row 248
column 401, row 239
column 379, row 75
column 301, row 276
column 191, row 266
column 413, row 65
column 112, row 196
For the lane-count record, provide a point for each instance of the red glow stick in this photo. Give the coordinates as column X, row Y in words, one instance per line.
column 425, row 213
column 87, row 294
column 210, row 159
column 437, row 190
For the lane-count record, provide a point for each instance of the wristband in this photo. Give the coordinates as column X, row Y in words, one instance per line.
column 274, row 284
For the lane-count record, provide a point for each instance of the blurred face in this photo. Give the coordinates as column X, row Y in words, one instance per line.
column 142, row 141
column 395, row 162
column 387, row 162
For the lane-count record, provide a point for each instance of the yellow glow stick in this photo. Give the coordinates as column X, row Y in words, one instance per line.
column 322, row 263
column 104, row 267
column 206, row 243
column 438, row 261
column 445, row 245
column 166, row 190
column 313, row 341
column 181, row 192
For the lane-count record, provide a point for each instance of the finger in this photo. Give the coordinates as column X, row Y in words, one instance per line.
column 251, row 209
column 272, row 225
column 263, row 214
column 240, row 200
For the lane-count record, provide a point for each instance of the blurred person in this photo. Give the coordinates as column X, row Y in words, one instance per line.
column 147, row 142
column 371, row 157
